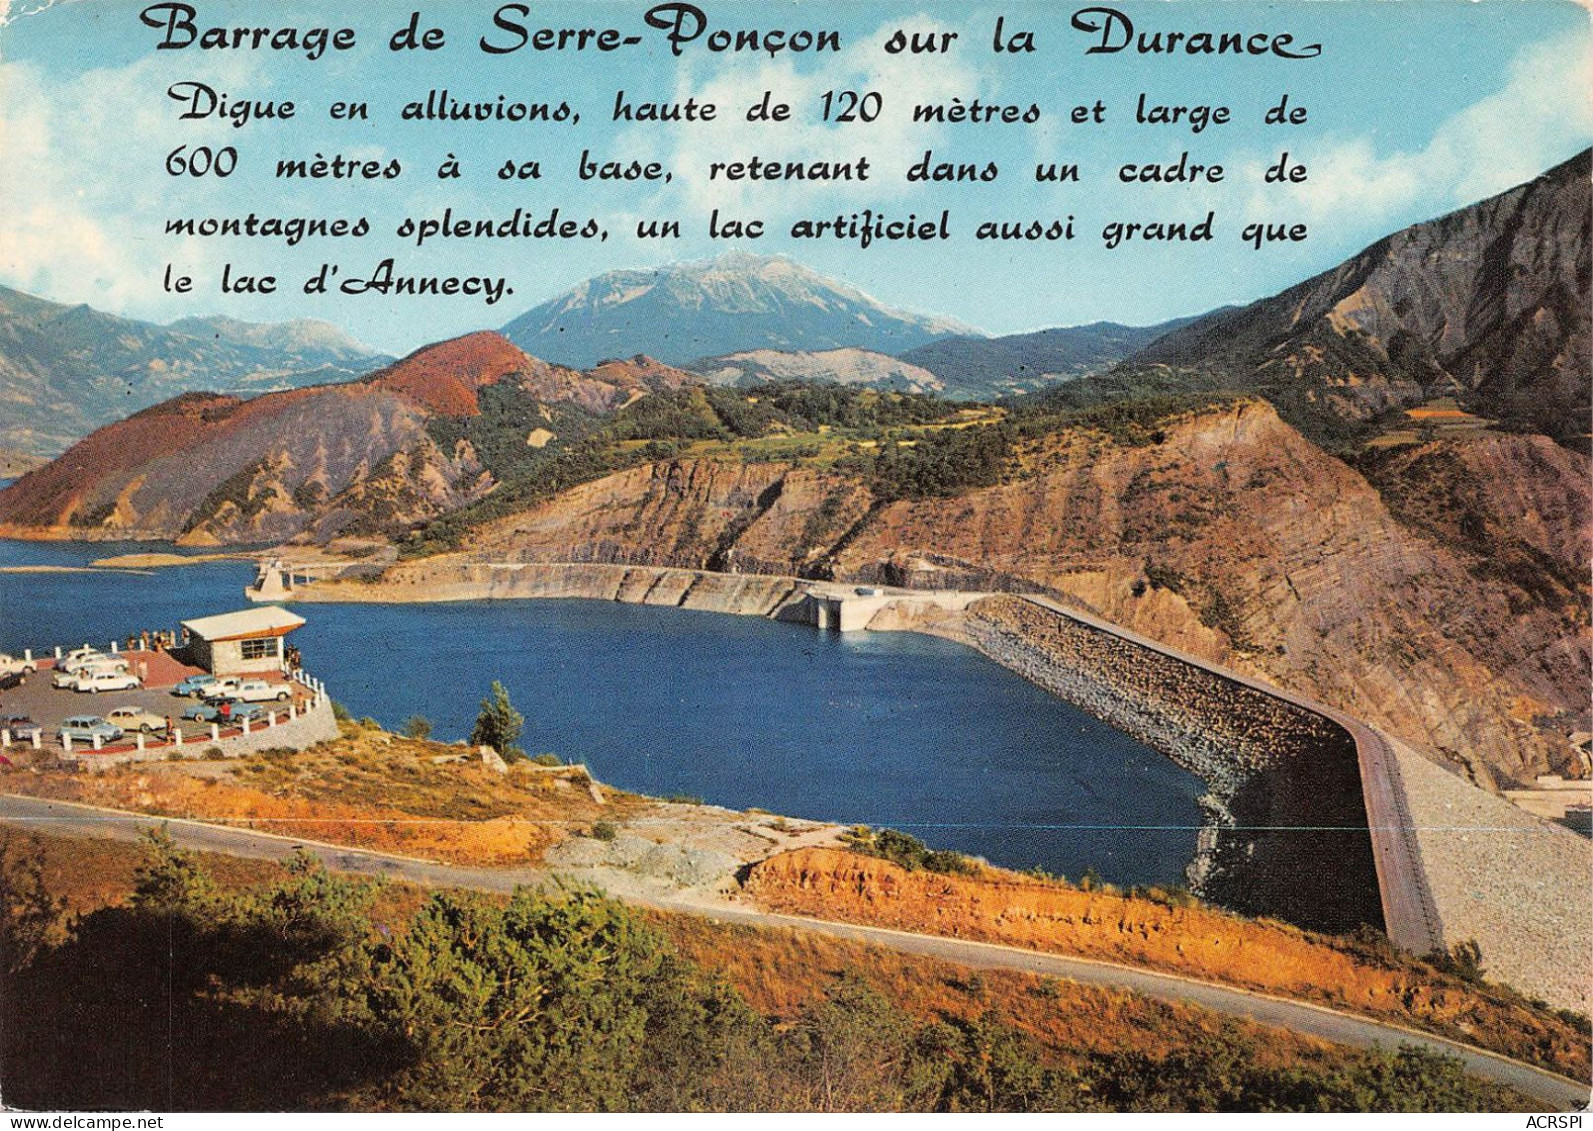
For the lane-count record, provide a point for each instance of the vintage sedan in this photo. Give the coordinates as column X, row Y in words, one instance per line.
column 84, row 728
column 95, row 682
column 137, row 718
column 224, row 711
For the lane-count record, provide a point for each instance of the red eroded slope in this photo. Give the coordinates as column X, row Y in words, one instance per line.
column 444, row 378
column 47, row 496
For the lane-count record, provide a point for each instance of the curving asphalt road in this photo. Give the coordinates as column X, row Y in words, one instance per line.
column 1559, row 1093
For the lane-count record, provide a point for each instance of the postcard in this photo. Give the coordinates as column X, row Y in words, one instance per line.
column 795, row 557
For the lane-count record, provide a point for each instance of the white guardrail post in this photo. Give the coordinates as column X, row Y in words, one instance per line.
column 66, row 743
column 176, row 736
column 215, row 733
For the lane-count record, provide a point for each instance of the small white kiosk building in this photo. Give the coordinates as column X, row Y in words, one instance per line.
column 248, row 642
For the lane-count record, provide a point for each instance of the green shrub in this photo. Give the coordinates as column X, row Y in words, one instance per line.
column 417, row 727
column 605, row 830
column 908, row 851
column 499, row 724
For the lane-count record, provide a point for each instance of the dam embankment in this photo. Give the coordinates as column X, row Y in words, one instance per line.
column 1288, row 834
column 458, row 579
column 1286, row 831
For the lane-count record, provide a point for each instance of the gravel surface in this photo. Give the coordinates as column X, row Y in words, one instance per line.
column 1521, row 887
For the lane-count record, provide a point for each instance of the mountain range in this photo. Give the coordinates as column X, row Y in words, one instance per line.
column 67, row 370
column 206, row 468
column 1014, row 364
column 1487, row 305
column 737, row 302
column 1281, row 513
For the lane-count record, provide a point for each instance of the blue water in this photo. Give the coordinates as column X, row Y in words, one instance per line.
column 891, row 729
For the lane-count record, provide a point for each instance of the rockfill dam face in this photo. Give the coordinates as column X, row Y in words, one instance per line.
column 1288, row 835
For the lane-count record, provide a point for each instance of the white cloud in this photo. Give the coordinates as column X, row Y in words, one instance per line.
column 85, row 181
column 1498, row 142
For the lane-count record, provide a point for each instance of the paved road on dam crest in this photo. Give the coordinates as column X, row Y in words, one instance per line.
column 60, row 818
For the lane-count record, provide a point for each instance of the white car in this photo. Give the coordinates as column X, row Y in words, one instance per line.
column 136, row 718
column 97, row 664
column 259, row 691
column 68, row 675
column 107, row 681
column 13, row 665
column 202, row 687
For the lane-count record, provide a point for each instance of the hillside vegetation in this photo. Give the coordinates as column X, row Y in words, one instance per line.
column 367, row 789
column 309, row 991
column 1165, row 929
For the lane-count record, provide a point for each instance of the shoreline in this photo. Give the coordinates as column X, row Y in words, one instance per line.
column 1536, row 950
column 1249, row 797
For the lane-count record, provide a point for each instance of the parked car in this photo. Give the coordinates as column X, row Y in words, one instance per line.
column 107, row 681
column 97, row 664
column 12, row 680
column 14, row 665
column 208, row 686
column 136, row 718
column 83, row 728
column 210, row 711
column 68, row 675
column 21, row 727
column 262, row 691
column 194, row 685
column 80, row 655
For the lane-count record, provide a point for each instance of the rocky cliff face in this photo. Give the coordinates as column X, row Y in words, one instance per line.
column 1233, row 538
column 1517, row 509
column 1489, row 304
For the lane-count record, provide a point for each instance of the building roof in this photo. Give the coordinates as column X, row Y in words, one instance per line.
column 263, row 620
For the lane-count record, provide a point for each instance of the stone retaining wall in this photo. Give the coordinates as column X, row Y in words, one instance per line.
column 456, row 579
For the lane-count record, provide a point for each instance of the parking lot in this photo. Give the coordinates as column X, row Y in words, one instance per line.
column 47, row 705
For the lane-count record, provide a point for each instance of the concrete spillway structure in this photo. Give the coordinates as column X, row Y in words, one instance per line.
column 840, row 608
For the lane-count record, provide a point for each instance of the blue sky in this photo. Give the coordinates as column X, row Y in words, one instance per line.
column 1415, row 107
